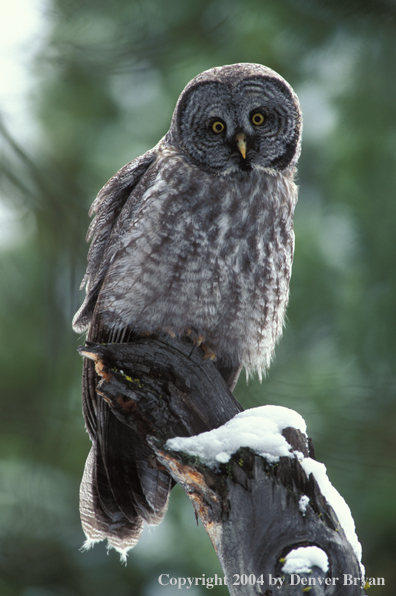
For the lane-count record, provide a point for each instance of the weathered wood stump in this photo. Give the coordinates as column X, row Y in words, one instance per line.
column 162, row 388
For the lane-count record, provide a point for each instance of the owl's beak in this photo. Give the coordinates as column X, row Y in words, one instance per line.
column 241, row 143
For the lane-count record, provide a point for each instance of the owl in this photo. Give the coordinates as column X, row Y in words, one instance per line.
column 195, row 236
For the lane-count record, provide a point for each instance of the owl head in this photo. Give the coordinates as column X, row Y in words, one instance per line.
column 238, row 118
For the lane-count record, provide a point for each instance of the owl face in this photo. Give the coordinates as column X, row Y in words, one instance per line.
column 238, row 118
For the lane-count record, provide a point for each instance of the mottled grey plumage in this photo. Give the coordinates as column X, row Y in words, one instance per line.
column 197, row 233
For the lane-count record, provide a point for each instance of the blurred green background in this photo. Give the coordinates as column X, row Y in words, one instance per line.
column 92, row 86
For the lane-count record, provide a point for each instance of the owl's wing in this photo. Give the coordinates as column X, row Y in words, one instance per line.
column 107, row 208
column 119, row 490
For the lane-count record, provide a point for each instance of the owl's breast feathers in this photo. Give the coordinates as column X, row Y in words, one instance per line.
column 208, row 252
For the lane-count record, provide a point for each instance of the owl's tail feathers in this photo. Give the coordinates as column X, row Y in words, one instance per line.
column 100, row 516
column 120, row 491
column 108, row 514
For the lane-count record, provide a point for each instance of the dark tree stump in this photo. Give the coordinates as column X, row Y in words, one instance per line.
column 162, row 388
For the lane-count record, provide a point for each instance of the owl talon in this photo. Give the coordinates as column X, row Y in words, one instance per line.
column 198, row 340
column 170, row 332
column 209, row 354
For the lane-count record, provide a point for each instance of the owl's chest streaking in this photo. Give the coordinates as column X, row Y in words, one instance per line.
column 208, row 253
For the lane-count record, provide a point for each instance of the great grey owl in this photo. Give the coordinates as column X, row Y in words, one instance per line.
column 195, row 234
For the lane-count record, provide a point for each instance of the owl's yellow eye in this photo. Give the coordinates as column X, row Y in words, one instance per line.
column 218, row 127
column 258, row 119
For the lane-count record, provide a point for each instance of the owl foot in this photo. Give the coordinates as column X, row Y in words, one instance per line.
column 196, row 339
column 209, row 354
column 169, row 331
column 199, row 341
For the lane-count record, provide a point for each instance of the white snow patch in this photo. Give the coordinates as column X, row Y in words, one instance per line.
column 303, row 504
column 302, row 559
column 260, row 429
column 335, row 500
column 257, row 428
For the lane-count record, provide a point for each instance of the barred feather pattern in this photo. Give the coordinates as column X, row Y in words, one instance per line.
column 204, row 252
